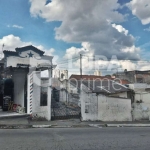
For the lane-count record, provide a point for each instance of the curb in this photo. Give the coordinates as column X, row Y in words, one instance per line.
column 128, row 125
column 40, row 126
column 73, row 126
column 14, row 116
column 15, row 126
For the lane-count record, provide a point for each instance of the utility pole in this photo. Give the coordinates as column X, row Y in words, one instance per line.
column 94, row 63
column 80, row 66
column 80, row 71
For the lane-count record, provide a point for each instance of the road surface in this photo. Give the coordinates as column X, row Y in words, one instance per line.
column 75, row 139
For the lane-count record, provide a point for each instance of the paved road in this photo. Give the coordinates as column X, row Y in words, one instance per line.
column 76, row 139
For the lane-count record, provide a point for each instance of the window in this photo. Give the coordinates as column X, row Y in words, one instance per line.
column 43, row 101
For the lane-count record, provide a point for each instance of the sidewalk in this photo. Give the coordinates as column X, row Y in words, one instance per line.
column 71, row 123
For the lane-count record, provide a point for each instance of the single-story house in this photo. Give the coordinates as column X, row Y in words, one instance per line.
column 105, row 101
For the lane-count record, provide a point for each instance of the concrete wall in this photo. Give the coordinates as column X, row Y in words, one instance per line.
column 89, row 107
column 99, row 107
column 141, row 111
column 37, row 110
column 144, row 96
column 19, row 82
column 141, row 106
column 114, row 109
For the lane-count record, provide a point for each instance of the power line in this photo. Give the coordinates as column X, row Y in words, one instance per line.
column 108, row 59
column 66, row 60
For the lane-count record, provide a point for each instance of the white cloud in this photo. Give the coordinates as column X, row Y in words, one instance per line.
column 134, row 50
column 90, row 22
column 15, row 26
column 48, row 52
column 147, row 29
column 74, row 52
column 120, row 29
column 11, row 42
column 141, row 9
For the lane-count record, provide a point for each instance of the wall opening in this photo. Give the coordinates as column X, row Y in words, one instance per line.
column 43, row 100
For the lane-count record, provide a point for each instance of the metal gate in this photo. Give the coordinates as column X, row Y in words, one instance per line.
column 61, row 110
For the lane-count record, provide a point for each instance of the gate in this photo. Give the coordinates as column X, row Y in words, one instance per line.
column 61, row 110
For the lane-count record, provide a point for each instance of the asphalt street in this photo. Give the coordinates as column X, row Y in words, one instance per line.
column 75, row 139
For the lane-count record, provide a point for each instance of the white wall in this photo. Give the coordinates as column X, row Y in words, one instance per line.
column 37, row 110
column 89, row 107
column 104, row 108
column 141, row 111
column 114, row 109
column 144, row 96
column 19, row 82
column 14, row 60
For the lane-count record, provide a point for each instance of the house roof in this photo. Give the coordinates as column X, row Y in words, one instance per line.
column 136, row 72
column 104, row 87
column 29, row 47
column 122, row 81
column 12, row 53
column 88, row 77
column 21, row 49
column 103, row 78
column 107, row 87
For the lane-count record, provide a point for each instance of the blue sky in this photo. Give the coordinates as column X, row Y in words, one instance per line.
column 35, row 30
column 78, row 26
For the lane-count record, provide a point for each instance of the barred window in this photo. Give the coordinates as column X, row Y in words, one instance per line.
column 43, row 101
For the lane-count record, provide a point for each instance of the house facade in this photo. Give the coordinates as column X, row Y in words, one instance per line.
column 24, row 66
column 100, row 102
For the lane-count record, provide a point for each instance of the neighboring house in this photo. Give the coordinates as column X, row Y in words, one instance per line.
column 135, row 76
column 24, row 66
column 98, row 78
column 140, row 101
column 105, row 101
column 88, row 77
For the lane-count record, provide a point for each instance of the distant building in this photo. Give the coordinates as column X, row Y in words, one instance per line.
column 135, row 76
column 97, row 78
column 63, row 74
column 97, row 73
column 60, row 74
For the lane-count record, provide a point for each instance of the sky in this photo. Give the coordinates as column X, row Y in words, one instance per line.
column 108, row 29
